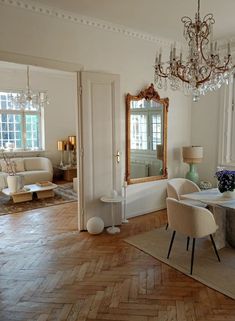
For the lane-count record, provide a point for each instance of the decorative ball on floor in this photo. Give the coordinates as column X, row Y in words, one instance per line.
column 95, row 225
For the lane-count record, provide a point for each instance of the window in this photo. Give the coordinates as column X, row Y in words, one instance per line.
column 146, row 125
column 226, row 148
column 22, row 127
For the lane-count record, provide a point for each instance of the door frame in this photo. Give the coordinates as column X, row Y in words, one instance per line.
column 13, row 57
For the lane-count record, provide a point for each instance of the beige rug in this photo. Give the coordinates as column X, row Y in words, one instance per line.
column 217, row 275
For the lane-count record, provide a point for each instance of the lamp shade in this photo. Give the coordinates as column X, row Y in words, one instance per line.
column 60, row 145
column 72, row 140
column 160, row 149
column 192, row 154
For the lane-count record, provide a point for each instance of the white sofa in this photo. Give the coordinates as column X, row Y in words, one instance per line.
column 33, row 169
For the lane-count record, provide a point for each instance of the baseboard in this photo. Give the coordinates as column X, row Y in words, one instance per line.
column 139, row 213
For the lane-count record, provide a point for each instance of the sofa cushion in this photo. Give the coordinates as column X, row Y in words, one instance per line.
column 33, row 164
column 32, row 177
column 17, row 164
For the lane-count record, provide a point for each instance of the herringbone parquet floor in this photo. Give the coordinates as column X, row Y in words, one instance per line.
column 50, row 272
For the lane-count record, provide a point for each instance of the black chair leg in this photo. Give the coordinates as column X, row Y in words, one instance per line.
column 167, row 226
column 171, row 243
column 192, row 257
column 188, row 240
column 216, row 252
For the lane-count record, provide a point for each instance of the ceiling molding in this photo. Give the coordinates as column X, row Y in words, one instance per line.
column 30, row 5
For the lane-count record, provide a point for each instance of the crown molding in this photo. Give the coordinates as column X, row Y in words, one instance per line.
column 30, row 5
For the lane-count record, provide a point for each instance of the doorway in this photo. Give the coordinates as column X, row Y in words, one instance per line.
column 58, row 119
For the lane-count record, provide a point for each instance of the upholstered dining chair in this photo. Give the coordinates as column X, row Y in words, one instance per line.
column 179, row 186
column 191, row 221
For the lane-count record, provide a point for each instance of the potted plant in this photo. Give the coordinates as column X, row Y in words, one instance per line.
column 12, row 178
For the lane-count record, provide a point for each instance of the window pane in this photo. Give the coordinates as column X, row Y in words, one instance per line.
column 156, row 131
column 32, row 131
column 139, row 132
column 137, row 104
column 7, row 129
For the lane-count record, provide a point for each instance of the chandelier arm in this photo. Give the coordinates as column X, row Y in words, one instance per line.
column 202, row 53
column 161, row 73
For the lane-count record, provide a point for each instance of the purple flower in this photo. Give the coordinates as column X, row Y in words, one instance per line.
column 226, row 180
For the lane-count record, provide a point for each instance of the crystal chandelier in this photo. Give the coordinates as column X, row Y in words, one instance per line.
column 30, row 99
column 206, row 67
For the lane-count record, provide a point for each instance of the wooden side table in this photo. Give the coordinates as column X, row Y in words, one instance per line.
column 112, row 199
column 68, row 172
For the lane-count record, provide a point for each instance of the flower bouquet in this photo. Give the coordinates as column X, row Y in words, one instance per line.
column 226, row 180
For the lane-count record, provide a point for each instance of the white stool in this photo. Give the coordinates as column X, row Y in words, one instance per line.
column 75, row 184
column 112, row 199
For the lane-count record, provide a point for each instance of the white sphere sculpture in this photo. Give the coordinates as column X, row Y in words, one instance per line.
column 95, row 225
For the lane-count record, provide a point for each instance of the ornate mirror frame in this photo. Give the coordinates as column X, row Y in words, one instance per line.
column 149, row 94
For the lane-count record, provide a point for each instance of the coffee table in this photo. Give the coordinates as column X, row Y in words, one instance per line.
column 26, row 194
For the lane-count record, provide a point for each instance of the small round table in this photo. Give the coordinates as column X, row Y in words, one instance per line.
column 112, row 199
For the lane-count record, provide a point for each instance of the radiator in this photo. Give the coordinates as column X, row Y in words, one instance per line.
column 139, row 170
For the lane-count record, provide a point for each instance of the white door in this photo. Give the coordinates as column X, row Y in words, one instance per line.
column 100, row 169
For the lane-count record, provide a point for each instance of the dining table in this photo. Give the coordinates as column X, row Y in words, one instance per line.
column 223, row 209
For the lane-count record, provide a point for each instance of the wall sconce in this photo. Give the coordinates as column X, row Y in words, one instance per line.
column 61, row 147
column 192, row 155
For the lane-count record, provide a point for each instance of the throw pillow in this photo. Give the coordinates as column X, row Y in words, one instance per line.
column 19, row 164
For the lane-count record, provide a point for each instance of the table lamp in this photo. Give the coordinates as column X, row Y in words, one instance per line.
column 72, row 144
column 160, row 150
column 61, row 147
column 192, row 155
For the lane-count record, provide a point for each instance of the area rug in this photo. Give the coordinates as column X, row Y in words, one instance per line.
column 217, row 275
column 63, row 194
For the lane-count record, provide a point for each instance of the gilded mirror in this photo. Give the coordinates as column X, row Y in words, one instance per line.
column 146, row 136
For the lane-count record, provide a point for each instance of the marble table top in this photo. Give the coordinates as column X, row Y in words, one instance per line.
column 211, row 197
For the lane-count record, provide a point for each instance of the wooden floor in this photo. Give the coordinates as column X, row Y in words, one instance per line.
column 50, row 272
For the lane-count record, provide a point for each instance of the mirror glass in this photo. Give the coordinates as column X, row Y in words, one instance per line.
column 146, row 136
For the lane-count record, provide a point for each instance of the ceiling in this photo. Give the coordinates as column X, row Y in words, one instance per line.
column 161, row 18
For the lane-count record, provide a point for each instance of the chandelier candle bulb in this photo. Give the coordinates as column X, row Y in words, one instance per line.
column 229, row 49
column 216, row 47
column 174, row 52
column 181, row 55
column 156, row 59
column 160, row 56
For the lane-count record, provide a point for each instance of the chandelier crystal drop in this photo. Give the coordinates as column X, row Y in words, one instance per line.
column 30, row 99
column 206, row 67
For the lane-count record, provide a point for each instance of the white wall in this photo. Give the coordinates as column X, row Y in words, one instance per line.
column 205, row 131
column 59, row 115
column 113, row 52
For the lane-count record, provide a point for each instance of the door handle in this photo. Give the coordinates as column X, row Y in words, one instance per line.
column 117, row 157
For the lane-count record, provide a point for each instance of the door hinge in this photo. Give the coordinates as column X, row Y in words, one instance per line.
column 81, row 152
column 80, row 90
column 82, row 212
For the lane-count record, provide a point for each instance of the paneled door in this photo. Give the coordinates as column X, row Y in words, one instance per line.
column 100, row 166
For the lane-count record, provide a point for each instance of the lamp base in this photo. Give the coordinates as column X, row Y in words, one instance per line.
column 192, row 174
